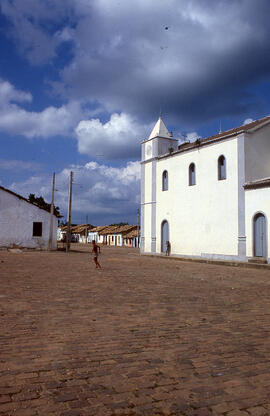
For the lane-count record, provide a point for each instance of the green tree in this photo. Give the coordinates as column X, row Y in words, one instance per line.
column 42, row 203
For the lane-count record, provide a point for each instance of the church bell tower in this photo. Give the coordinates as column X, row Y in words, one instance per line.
column 159, row 143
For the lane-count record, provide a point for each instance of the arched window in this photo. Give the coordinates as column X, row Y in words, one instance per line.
column 192, row 174
column 165, row 181
column 221, row 168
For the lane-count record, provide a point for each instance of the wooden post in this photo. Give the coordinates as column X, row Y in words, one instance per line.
column 138, row 227
column 51, row 215
column 86, row 230
column 69, row 213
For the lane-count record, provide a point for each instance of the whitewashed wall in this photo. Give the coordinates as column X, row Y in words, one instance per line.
column 16, row 223
column 257, row 200
column 92, row 235
column 101, row 239
column 203, row 219
column 147, row 206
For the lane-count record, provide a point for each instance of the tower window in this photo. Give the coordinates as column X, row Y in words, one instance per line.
column 192, row 174
column 165, row 181
column 221, row 168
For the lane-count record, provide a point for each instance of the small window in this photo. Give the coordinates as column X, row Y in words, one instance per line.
column 192, row 174
column 165, row 181
column 221, row 168
column 37, row 229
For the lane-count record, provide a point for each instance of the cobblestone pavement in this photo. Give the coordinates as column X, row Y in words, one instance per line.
column 143, row 336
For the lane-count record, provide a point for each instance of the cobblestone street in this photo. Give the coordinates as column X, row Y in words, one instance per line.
column 144, row 336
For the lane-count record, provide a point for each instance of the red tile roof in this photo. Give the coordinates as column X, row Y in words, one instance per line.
column 80, row 229
column 116, row 229
column 123, row 229
column 131, row 234
column 98, row 228
column 110, row 229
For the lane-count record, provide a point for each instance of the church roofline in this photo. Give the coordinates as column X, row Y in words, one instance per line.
column 160, row 137
column 246, row 128
column 160, row 130
column 260, row 183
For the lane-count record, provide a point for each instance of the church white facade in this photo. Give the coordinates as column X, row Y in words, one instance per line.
column 210, row 198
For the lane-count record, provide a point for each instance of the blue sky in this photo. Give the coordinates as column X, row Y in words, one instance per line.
column 82, row 83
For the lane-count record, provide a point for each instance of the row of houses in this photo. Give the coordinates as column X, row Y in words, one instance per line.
column 24, row 224
column 111, row 235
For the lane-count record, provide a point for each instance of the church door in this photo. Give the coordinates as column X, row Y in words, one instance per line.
column 164, row 235
column 260, row 236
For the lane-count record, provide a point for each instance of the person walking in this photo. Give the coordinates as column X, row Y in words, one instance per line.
column 96, row 252
column 168, row 248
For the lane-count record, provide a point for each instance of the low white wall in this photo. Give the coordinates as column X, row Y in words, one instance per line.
column 257, row 200
column 16, row 223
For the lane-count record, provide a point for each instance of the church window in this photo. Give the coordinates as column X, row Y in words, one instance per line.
column 192, row 174
column 165, row 181
column 221, row 168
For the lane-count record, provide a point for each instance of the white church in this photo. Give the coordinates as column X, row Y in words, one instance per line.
column 209, row 198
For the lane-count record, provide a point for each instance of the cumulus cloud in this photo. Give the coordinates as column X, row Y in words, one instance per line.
column 106, row 194
column 8, row 94
column 198, row 68
column 52, row 121
column 118, row 138
column 35, row 27
column 125, row 60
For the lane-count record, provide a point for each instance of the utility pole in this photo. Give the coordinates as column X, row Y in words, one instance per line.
column 86, row 230
column 51, row 214
column 69, row 213
column 138, row 227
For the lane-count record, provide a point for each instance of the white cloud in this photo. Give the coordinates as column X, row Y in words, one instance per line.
column 32, row 22
column 122, row 58
column 127, row 63
column 125, row 60
column 52, row 121
column 188, row 137
column 9, row 94
column 248, row 120
column 192, row 136
column 106, row 194
column 18, row 165
column 118, row 138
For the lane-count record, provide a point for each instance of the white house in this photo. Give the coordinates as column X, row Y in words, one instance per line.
column 24, row 224
column 210, row 198
column 80, row 233
column 93, row 234
column 121, row 231
column 132, row 238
